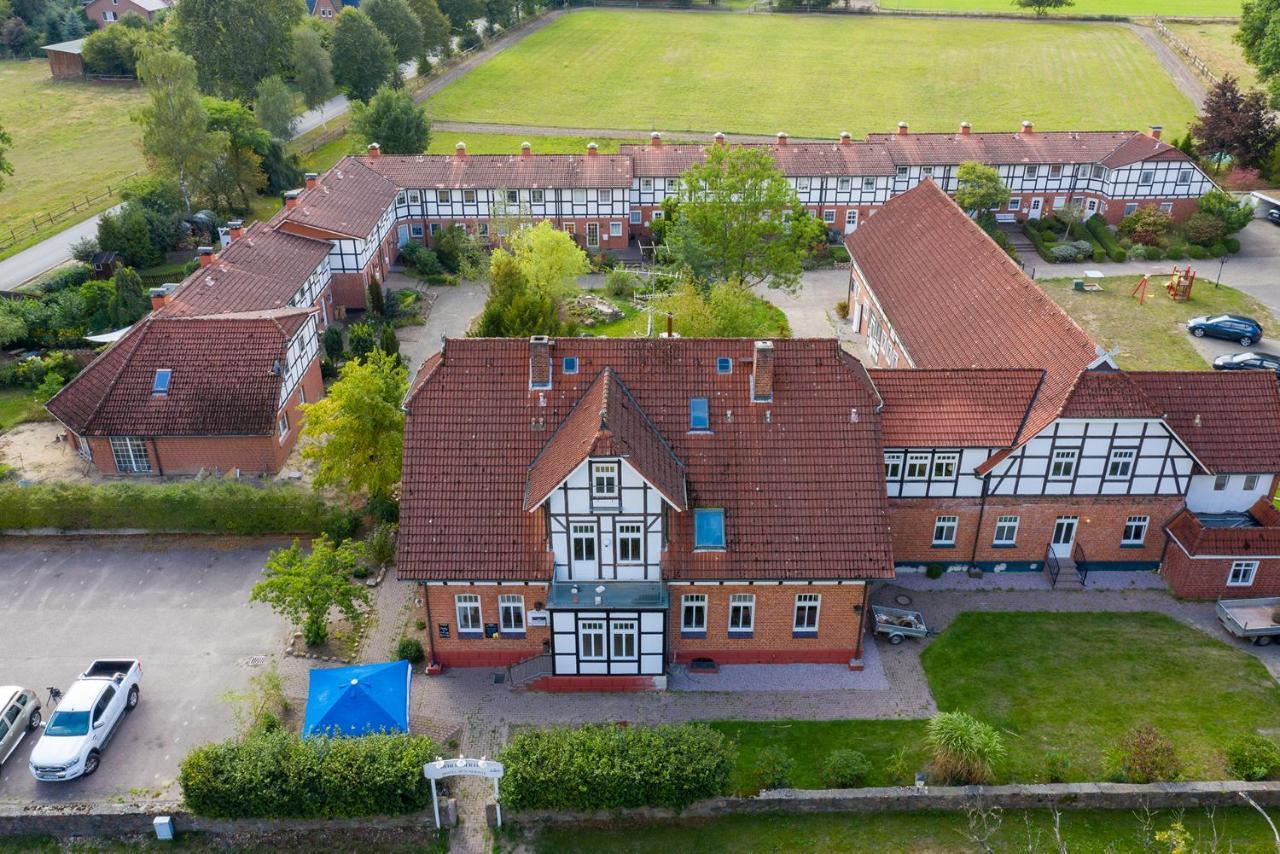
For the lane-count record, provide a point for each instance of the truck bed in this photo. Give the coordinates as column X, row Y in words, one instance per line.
column 107, row 668
column 1251, row 616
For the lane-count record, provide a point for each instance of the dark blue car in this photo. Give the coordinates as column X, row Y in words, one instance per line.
column 1231, row 327
column 1247, row 362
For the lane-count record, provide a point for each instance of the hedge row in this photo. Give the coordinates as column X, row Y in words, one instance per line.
column 1037, row 239
column 610, row 767
column 203, row 506
column 1098, row 228
column 277, row 774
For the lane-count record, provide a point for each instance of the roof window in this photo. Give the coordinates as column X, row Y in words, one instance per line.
column 699, row 414
column 724, row 365
column 570, row 364
column 160, row 385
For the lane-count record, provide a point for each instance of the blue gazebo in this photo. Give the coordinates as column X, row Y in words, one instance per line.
column 353, row 701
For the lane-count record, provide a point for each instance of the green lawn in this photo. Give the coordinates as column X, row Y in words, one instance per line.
column 1240, row 829
column 1133, row 8
column 763, row 74
column 70, row 139
column 1070, row 682
column 17, row 405
column 769, row 321
column 1151, row 336
column 1215, row 45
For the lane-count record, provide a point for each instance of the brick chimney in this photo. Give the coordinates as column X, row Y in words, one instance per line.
column 539, row 361
column 782, row 138
column 592, row 149
column 375, row 150
column 235, row 229
column 655, row 139
column 902, row 128
column 965, row 128
column 1028, row 128
column 526, row 149
column 846, row 138
column 460, row 151
column 719, row 138
column 206, row 255
column 313, row 180
column 1156, row 131
column 762, row 373
column 291, row 199
column 162, row 295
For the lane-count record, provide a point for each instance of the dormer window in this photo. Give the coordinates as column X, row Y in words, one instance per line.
column 604, row 480
column 724, row 365
column 160, row 385
column 699, row 414
column 570, row 364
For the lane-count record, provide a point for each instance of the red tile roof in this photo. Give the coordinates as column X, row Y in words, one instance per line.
column 796, row 159
column 956, row 300
column 1227, row 419
column 954, row 408
column 1108, row 394
column 1110, row 148
column 348, row 201
column 505, row 171
column 1199, row 539
column 222, row 381
column 800, row 478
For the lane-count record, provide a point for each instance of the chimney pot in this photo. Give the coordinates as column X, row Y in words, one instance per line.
column 206, row 256
column 313, row 179
column 762, row 373
column 782, row 138
column 592, row 149
column 1028, row 128
column 375, row 150
column 655, row 139
column 539, row 361
column 525, row 149
column 235, row 229
column 902, row 128
column 291, row 199
column 461, row 150
column 719, row 138
column 1156, row 131
column 965, row 128
column 846, row 138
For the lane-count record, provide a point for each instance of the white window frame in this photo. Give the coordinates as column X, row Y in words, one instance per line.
column 469, row 197
column 1242, row 573
column 1055, row 170
column 1031, row 172
column 627, row 631
column 946, row 466
column 1006, row 531
column 1135, row 530
column 537, row 197
column 1063, row 463
column 1221, row 482
column 634, row 533
column 415, row 197
column 646, row 184
column 465, row 607
column 615, row 229
column 802, row 185
column 844, row 184
column 944, row 526
column 1166, row 207
column 1130, row 208
column 605, row 197
column 742, row 604
column 829, row 216
column 415, row 230
column 513, row 197
column 133, row 450
column 851, row 217
column 1184, row 176
column 1146, row 177
column 634, row 216
column 868, row 184
column 1120, row 463
column 511, row 613
column 1250, row 482
column 693, row 604
column 579, row 196
column 806, row 604
column 920, row 459
column 1015, row 203
column 282, row 426
column 893, row 465
column 904, row 172
column 443, row 197
column 593, row 629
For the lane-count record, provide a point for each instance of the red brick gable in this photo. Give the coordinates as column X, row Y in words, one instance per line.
column 970, row 408
column 800, row 478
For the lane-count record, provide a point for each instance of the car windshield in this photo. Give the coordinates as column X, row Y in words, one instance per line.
column 1222, row 318
column 67, row 723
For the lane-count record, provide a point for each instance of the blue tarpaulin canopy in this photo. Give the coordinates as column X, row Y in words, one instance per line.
column 358, row 700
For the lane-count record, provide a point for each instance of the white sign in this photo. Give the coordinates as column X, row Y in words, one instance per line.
column 538, row 618
column 461, row 767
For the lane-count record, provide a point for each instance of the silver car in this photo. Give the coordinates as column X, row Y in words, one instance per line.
column 20, row 715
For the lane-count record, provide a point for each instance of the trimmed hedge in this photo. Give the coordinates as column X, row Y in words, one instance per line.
column 1037, row 240
column 202, row 506
column 1098, row 228
column 611, row 767
column 278, row 774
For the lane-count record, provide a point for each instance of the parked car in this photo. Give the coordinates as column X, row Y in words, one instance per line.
column 1273, row 216
column 20, row 716
column 85, row 720
column 1247, row 362
column 1231, row 327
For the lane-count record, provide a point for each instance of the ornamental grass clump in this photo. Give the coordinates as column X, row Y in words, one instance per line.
column 1253, row 757
column 965, row 750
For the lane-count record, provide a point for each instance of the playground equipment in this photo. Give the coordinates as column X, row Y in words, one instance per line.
column 1179, row 284
column 1140, row 291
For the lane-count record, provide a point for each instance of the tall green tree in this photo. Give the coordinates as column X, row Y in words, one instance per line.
column 395, row 20
column 462, row 13
column 359, row 427
column 548, row 258
column 129, row 300
column 236, row 43
column 436, row 30
column 393, row 120
column 363, row 60
column 175, row 133
column 274, row 107
column 1259, row 36
column 305, row 587
column 514, row 309
column 1235, row 124
column 6, row 168
column 979, row 188
column 1042, row 7
column 235, row 174
column 72, row 25
column 312, row 67
column 740, row 220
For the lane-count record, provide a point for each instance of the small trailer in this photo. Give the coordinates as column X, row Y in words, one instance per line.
column 1254, row 620
column 898, row 624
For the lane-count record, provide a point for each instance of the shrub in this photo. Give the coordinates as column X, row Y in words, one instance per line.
column 277, row 774
column 840, row 254
column 341, row 524
column 381, row 545
column 383, row 508
column 1176, row 252
column 609, row 767
column 1198, row 253
column 842, row 309
column 1139, row 253
column 1204, row 229
column 207, row 506
column 1252, row 757
column 410, row 650
column 1232, row 244
column 1145, row 755
column 61, row 279
column 845, row 769
column 1037, row 239
column 1154, row 253
column 420, row 260
column 965, row 750
column 1063, row 253
column 619, row 283
column 772, row 768
column 333, row 343
column 1057, row 764
column 935, row 570
column 1097, row 227
column 1099, row 255
column 1217, row 250
column 327, row 370
column 1146, row 225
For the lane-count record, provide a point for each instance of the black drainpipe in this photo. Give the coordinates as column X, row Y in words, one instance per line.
column 982, row 509
column 431, row 635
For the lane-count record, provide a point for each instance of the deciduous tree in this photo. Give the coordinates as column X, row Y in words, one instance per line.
column 175, row 133
column 548, row 259
column 461, row 13
column 1042, row 7
column 435, row 30
column 236, row 43
column 359, row 427
column 1236, row 124
column 274, row 107
column 394, row 120
column 740, row 220
column 979, row 188
column 312, row 67
column 306, row 587
column 514, row 309
column 395, row 20
column 363, row 59
column 6, row 168
column 1259, row 36
column 235, row 174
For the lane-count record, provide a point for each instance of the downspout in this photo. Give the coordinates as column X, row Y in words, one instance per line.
column 431, row 635
column 982, row 510
column 155, row 448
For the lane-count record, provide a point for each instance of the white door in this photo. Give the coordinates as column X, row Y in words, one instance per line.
column 1064, row 536
column 584, row 559
column 402, row 235
column 1036, row 204
column 1091, row 207
column 850, row 221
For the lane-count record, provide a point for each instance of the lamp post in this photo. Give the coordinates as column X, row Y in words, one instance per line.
column 1222, row 262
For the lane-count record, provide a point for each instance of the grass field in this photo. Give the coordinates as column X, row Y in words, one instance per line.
column 1077, row 683
column 1240, row 830
column 1132, row 8
column 813, row 76
column 1216, row 47
column 70, row 139
column 1151, row 336
column 18, row 405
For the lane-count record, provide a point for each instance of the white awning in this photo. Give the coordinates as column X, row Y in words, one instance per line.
column 108, row 337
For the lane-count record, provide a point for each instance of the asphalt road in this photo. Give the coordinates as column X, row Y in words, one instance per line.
column 181, row 609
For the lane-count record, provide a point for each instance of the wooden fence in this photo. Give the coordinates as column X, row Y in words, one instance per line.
column 9, row 235
column 1183, row 48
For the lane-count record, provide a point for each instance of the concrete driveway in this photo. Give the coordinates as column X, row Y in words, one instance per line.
column 179, row 605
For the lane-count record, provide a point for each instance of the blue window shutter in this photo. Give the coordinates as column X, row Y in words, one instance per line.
column 699, row 414
column 708, row 528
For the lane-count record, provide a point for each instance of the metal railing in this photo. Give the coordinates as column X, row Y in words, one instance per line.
column 1082, row 562
column 1051, row 566
column 529, row 669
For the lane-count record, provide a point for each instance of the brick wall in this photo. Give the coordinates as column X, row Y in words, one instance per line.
column 772, row 641
column 1202, row 578
column 482, row 652
column 349, row 289
column 312, row 388
column 1182, row 208
column 868, row 308
column 1101, row 525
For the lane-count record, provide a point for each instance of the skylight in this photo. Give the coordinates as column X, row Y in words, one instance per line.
column 160, row 385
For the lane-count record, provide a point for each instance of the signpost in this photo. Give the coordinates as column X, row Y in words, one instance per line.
column 462, row 767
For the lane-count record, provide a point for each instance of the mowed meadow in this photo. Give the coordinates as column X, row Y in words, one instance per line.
column 1128, row 8
column 817, row 76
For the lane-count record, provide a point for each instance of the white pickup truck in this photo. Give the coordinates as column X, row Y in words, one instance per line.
column 85, row 719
